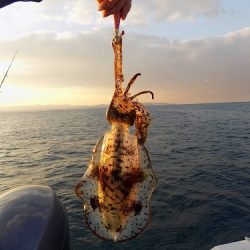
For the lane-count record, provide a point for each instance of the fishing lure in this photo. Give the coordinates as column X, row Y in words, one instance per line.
column 117, row 185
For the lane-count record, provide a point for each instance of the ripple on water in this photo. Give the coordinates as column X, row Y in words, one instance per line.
column 200, row 155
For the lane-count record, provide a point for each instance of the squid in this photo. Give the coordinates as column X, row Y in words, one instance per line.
column 117, row 185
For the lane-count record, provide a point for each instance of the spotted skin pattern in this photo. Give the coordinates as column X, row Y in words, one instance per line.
column 117, row 186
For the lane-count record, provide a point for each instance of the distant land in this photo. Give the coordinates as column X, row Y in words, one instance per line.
column 59, row 107
column 23, row 108
column 47, row 107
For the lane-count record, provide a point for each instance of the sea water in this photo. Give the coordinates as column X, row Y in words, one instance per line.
column 200, row 155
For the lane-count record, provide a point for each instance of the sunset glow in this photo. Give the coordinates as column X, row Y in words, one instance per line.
column 185, row 55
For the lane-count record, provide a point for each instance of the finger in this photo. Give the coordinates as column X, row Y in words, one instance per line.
column 117, row 18
column 99, row 2
column 125, row 10
column 108, row 4
column 116, row 8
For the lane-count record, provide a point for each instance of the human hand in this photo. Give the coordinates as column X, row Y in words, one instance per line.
column 109, row 7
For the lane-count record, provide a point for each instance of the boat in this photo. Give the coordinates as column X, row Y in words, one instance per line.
column 33, row 218
column 238, row 245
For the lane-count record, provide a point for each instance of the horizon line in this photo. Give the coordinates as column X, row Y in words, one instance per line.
column 61, row 107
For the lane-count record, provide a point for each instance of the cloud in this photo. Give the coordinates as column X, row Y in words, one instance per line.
column 144, row 12
column 187, row 9
column 85, row 11
column 82, row 12
column 59, row 59
column 200, row 70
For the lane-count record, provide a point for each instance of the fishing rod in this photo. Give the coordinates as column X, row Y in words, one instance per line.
column 6, row 73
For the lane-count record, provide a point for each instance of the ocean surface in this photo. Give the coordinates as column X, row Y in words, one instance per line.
column 200, row 155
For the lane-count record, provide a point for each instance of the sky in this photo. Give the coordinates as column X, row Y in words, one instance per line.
column 188, row 51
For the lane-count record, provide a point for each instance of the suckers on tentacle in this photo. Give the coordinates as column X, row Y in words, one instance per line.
column 122, row 108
